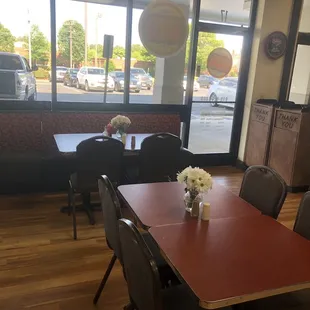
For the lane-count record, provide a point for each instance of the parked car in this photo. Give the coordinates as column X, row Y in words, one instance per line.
column 17, row 80
column 70, row 77
column 143, row 77
column 93, row 78
column 196, row 84
column 206, row 81
column 119, row 80
column 60, row 74
column 225, row 90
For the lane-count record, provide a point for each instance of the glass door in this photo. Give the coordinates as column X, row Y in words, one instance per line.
column 214, row 100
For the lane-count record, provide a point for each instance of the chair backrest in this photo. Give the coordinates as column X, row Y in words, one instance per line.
column 140, row 268
column 111, row 214
column 302, row 223
column 159, row 157
column 264, row 188
column 97, row 156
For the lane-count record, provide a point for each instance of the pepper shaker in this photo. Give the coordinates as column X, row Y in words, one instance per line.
column 133, row 142
column 195, row 209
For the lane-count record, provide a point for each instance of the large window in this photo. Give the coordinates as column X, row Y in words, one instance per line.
column 80, row 71
column 25, row 40
column 163, row 81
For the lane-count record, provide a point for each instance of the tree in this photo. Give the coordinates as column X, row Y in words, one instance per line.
column 6, row 40
column 140, row 53
column 40, row 47
column 111, row 66
column 78, row 41
column 207, row 42
column 119, row 51
column 91, row 54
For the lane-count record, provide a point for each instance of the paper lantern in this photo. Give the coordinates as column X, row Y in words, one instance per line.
column 219, row 62
column 163, row 28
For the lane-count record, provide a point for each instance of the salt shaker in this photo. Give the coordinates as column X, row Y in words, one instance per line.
column 205, row 215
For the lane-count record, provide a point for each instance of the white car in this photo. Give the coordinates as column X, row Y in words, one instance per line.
column 60, row 74
column 196, row 84
column 223, row 91
column 17, row 80
column 93, row 78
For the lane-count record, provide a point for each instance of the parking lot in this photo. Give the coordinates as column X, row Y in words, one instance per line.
column 210, row 126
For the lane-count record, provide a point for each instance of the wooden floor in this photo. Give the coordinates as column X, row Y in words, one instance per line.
column 42, row 268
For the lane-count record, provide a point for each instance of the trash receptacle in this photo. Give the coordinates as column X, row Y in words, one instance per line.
column 259, row 132
column 290, row 145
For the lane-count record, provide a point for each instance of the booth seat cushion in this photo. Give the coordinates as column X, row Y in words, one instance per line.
column 85, row 122
column 20, row 132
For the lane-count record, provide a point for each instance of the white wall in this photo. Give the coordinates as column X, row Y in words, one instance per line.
column 265, row 74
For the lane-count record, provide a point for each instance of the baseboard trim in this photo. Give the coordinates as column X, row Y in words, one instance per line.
column 297, row 189
column 241, row 165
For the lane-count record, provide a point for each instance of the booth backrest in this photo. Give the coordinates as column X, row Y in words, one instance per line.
column 20, row 132
column 24, row 131
column 86, row 122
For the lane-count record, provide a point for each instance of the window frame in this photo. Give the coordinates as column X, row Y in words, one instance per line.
column 303, row 40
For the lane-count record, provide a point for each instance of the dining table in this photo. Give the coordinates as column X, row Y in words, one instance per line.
column 155, row 204
column 234, row 260
column 238, row 255
column 67, row 142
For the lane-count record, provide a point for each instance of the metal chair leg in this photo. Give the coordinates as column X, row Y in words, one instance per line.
column 105, row 279
column 69, row 200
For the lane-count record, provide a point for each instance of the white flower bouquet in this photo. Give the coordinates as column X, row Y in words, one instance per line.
column 196, row 180
column 121, row 123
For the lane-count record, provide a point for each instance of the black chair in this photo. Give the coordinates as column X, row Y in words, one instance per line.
column 264, row 188
column 302, row 223
column 159, row 158
column 111, row 214
column 143, row 278
column 95, row 156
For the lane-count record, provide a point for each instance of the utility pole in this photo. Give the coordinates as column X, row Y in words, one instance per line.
column 70, row 38
column 29, row 40
column 86, row 29
column 99, row 15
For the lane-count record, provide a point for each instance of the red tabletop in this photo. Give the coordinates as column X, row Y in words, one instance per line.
column 68, row 142
column 233, row 260
column 156, row 204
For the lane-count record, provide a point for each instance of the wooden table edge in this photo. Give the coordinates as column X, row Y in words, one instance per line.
column 136, row 218
column 251, row 297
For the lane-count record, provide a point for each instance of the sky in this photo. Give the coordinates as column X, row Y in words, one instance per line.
column 112, row 20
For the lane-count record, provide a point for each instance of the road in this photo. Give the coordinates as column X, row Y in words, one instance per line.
column 210, row 126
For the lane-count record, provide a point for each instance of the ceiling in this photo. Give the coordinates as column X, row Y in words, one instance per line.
column 210, row 9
